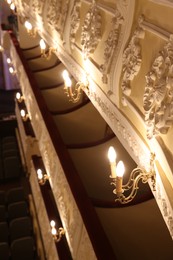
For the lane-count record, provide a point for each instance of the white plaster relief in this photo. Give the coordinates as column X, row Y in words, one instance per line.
column 158, row 95
column 75, row 22
column 163, row 204
column 132, row 58
column 37, row 6
column 111, row 44
column 54, row 13
column 67, row 207
column 91, row 30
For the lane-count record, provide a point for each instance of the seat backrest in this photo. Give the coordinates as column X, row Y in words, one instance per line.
column 12, row 167
column 3, row 213
column 4, row 251
column 17, row 210
column 2, row 197
column 23, row 248
column 20, row 227
column 15, row 195
column 4, row 232
column 9, row 139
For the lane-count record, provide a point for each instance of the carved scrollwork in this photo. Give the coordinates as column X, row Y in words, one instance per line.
column 91, row 31
column 158, row 95
column 132, row 58
column 75, row 21
column 54, row 12
column 37, row 6
column 111, row 43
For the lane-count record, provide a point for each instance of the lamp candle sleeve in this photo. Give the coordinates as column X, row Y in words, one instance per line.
column 113, row 169
column 119, row 181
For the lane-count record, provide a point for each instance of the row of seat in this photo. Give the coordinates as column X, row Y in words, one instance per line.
column 17, row 228
column 10, row 165
column 22, row 248
column 16, row 232
column 12, row 195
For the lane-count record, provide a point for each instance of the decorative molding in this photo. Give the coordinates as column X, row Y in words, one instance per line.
column 54, row 13
column 164, row 205
column 91, row 30
column 37, row 6
column 158, row 95
column 43, row 219
column 57, row 14
column 132, row 58
column 75, row 22
column 110, row 44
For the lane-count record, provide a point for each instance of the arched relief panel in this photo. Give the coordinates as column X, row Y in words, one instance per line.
column 55, row 17
column 149, row 100
column 99, row 32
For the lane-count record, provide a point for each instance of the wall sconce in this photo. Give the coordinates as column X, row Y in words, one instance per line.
column 46, row 53
column 12, row 71
column 74, row 92
column 136, row 175
column 24, row 116
column 13, row 7
column 30, row 30
column 57, row 234
column 42, row 178
column 19, row 97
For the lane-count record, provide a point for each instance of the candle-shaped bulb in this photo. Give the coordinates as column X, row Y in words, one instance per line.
column 66, row 78
column 12, row 6
column 39, row 174
column 112, row 154
column 11, row 70
column 28, row 25
column 18, row 95
column 112, row 159
column 54, row 232
column 42, row 44
column 22, row 113
column 119, row 179
column 52, row 223
column 120, row 169
column 8, row 60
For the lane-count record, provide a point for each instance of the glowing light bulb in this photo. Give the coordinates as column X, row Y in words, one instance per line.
column 22, row 113
column 54, row 231
column 52, row 223
column 112, row 154
column 112, row 159
column 12, row 6
column 11, row 70
column 66, row 78
column 39, row 174
column 28, row 25
column 18, row 95
column 8, row 60
column 42, row 44
column 120, row 169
